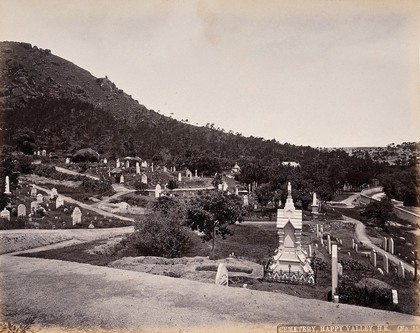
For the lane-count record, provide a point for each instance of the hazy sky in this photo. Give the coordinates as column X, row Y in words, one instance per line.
column 320, row 73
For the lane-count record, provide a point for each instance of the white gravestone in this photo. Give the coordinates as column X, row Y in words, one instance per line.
column 374, row 259
column 44, row 152
column 236, row 191
column 401, row 270
column 391, row 246
column 5, row 214
column 21, row 211
column 122, row 179
column 67, row 160
column 54, row 193
column 59, row 202
column 334, row 269
column 105, row 161
column 386, row 263
column 7, row 186
column 339, row 269
column 179, row 176
column 329, row 244
column 76, row 216
column 127, row 164
column 385, row 244
column 222, row 277
column 309, row 250
column 245, row 202
column 137, row 168
column 33, row 192
column 317, row 231
column 158, row 190
column 394, row 296
column 117, row 164
column 144, row 179
column 34, row 206
column 39, row 198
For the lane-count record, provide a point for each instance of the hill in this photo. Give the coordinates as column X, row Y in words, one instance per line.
column 49, row 103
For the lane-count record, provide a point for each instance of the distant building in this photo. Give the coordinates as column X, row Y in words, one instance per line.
column 291, row 164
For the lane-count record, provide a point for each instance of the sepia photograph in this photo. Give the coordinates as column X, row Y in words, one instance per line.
column 209, row 166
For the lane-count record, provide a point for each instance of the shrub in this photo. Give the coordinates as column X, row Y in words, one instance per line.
column 353, row 265
column 97, row 186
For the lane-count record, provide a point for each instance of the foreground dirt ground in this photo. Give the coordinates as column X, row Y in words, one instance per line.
column 83, row 297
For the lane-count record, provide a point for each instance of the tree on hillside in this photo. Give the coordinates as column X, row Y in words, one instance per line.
column 211, row 212
column 380, row 211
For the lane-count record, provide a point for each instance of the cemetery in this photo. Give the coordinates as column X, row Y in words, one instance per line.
column 309, row 253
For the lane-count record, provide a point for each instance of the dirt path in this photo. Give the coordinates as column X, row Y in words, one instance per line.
column 85, row 206
column 79, row 295
column 362, row 237
column 70, row 172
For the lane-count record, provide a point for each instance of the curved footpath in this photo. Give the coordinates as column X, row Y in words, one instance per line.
column 85, row 206
column 362, row 237
column 75, row 295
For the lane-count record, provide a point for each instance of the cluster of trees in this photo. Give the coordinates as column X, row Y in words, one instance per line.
column 167, row 229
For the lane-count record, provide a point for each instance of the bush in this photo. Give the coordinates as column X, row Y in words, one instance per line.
column 161, row 234
column 353, row 265
column 97, row 186
column 351, row 293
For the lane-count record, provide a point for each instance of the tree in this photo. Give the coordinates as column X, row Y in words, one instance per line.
column 172, row 184
column 162, row 231
column 211, row 212
column 380, row 211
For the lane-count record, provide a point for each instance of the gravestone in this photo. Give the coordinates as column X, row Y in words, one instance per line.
column 144, row 178
column 401, row 270
column 329, row 244
column 21, row 210
column 5, row 214
column 374, row 259
column 245, row 201
column 385, row 244
column 356, row 247
column 38, row 153
column 76, row 216
column 339, row 269
column 222, row 276
column 165, row 169
column 105, row 161
column 309, row 250
column 224, row 186
column 196, row 176
column 34, row 206
column 158, row 191
column 188, row 174
column 352, row 243
column 314, row 205
column 290, row 264
column 372, row 251
column 39, row 198
column 220, row 187
column 59, row 202
column 91, row 226
column 152, row 167
column 54, row 193
column 386, row 263
column 127, row 164
column 44, row 152
column 317, row 231
column 179, row 177
column 137, row 168
column 394, row 296
column 391, row 246
column 7, row 186
column 118, row 163
column 144, row 164
column 236, row 191
column 67, row 160
column 336, row 299
column 122, row 179
column 334, row 269
column 322, row 241
column 33, row 192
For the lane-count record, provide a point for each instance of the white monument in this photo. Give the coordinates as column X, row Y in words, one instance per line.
column 21, row 210
column 289, row 264
column 118, row 164
column 137, row 168
column 314, row 205
column 222, row 277
column 144, row 178
column 59, row 202
column 7, row 186
column 5, row 214
column 179, row 177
